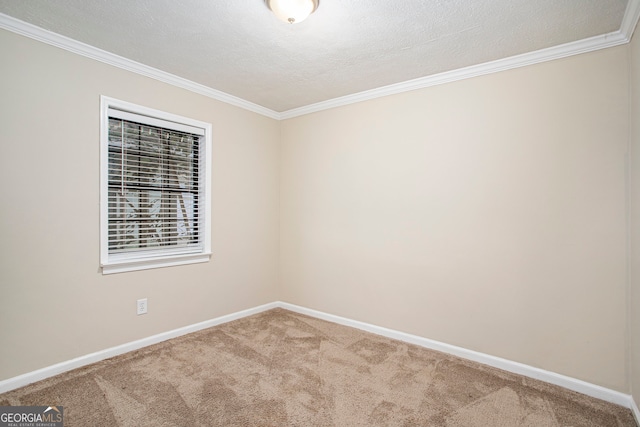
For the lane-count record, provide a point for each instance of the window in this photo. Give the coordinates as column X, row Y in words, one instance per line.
column 155, row 195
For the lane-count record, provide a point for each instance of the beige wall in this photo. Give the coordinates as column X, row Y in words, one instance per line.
column 634, row 218
column 54, row 303
column 487, row 213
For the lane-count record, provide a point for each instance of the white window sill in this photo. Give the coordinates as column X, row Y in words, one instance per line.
column 146, row 264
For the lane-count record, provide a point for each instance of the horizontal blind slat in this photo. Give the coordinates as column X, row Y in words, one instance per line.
column 138, row 118
column 154, row 185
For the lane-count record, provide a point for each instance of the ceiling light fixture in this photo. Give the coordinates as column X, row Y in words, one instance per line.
column 292, row 11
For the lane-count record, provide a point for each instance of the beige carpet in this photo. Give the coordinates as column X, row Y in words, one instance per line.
column 280, row 368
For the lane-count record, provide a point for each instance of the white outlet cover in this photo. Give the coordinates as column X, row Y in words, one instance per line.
column 141, row 306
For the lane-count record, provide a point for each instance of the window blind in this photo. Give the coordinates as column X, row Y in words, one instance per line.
column 154, row 186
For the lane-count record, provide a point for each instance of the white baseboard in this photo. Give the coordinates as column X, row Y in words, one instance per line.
column 497, row 362
column 50, row 371
column 635, row 410
column 486, row 359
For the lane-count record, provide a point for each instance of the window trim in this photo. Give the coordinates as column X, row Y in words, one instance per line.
column 118, row 263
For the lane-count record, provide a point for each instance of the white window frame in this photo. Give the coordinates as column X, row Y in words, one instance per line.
column 117, row 263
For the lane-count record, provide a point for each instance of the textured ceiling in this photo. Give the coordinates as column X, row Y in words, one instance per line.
column 345, row 47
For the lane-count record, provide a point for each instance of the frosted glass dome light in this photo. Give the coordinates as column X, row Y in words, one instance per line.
column 292, row 11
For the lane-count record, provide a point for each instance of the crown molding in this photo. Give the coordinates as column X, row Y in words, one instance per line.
column 630, row 19
column 29, row 30
column 530, row 58
column 627, row 27
column 629, row 22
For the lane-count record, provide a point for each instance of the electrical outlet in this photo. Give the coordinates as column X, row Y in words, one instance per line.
column 141, row 306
